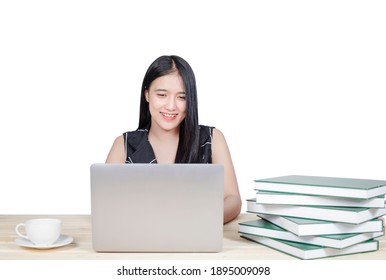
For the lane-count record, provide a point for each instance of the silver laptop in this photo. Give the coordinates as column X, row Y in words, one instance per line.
column 157, row 207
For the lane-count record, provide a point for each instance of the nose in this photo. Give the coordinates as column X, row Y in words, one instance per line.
column 171, row 103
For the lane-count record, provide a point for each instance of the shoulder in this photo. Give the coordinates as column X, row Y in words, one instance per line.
column 219, row 147
column 134, row 138
column 218, row 137
column 217, row 133
column 116, row 154
column 206, row 132
column 135, row 133
column 205, row 128
column 127, row 144
column 119, row 141
column 211, row 133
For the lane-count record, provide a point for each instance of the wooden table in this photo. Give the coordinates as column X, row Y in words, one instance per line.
column 79, row 227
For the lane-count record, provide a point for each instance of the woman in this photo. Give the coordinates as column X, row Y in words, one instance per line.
column 168, row 130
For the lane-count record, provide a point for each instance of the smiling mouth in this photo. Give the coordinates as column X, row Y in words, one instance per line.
column 169, row 116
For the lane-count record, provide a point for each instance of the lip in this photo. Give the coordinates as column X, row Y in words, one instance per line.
column 168, row 116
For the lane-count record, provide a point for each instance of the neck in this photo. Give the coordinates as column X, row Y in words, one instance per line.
column 163, row 135
column 164, row 144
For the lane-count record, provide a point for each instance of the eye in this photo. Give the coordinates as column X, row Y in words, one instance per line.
column 182, row 97
column 160, row 94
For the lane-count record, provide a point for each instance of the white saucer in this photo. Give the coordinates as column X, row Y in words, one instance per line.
column 62, row 241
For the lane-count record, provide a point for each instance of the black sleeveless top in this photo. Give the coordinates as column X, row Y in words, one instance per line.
column 139, row 150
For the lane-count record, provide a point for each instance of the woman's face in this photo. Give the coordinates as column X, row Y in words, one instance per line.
column 167, row 102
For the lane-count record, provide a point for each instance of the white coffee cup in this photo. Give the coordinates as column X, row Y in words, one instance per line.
column 41, row 232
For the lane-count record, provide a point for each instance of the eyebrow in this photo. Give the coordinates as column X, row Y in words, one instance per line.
column 164, row 90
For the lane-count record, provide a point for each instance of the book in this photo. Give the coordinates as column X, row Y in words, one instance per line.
column 304, row 227
column 307, row 251
column 264, row 197
column 352, row 215
column 324, row 186
column 264, row 228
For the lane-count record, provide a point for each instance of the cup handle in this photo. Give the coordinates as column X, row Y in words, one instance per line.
column 18, row 233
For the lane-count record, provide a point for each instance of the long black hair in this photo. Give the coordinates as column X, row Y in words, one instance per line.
column 188, row 145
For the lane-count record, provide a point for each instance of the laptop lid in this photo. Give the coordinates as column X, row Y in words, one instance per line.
column 157, row 207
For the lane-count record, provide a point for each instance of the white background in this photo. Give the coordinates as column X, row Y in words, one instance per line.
column 296, row 87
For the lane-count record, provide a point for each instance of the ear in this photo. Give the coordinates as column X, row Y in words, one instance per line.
column 147, row 95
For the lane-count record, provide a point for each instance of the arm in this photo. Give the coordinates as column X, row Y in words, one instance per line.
column 221, row 155
column 117, row 152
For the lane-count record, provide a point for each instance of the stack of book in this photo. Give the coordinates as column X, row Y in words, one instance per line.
column 313, row 217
